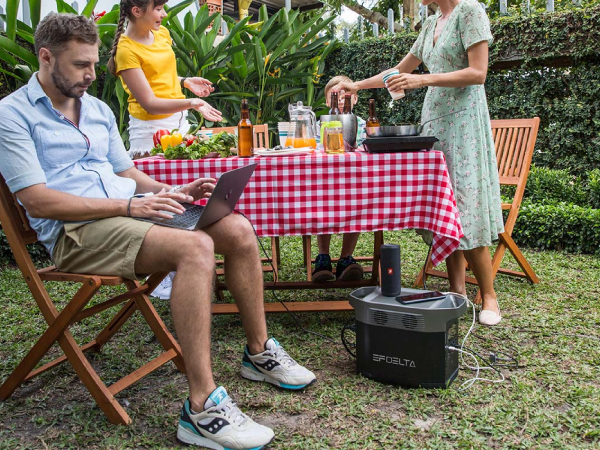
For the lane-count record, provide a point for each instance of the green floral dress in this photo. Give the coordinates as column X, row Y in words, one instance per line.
column 465, row 137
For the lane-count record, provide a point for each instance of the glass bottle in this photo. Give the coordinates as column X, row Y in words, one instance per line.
column 245, row 133
column 347, row 104
column 334, row 104
column 372, row 121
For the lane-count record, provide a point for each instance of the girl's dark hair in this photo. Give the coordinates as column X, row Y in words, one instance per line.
column 125, row 8
column 56, row 30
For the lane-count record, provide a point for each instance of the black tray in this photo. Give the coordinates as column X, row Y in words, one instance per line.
column 394, row 144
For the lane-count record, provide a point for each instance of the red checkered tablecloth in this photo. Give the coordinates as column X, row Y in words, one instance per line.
column 331, row 194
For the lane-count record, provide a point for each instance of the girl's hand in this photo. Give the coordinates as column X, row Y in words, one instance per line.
column 405, row 81
column 199, row 86
column 209, row 113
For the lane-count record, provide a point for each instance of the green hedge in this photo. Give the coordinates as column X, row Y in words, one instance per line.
column 557, row 77
column 555, row 185
column 37, row 251
column 560, row 226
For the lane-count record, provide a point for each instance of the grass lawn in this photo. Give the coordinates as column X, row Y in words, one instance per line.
column 552, row 400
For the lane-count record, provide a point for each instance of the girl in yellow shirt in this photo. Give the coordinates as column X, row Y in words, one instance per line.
column 142, row 56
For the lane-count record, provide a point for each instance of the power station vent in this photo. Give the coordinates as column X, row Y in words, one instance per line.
column 390, row 319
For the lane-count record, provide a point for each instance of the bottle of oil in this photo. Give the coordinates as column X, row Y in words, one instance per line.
column 245, row 133
column 334, row 104
column 347, row 104
column 372, row 121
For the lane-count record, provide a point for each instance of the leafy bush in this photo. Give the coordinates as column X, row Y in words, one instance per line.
column 594, row 188
column 561, row 226
column 551, row 186
column 37, row 251
column 545, row 65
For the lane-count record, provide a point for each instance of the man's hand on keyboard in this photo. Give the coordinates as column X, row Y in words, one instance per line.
column 200, row 188
column 162, row 205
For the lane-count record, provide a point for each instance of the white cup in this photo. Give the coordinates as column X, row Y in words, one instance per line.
column 396, row 95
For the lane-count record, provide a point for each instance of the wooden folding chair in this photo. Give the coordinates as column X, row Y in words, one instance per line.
column 514, row 140
column 19, row 233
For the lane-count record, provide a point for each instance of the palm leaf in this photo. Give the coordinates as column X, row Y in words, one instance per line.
column 172, row 12
column 35, row 11
column 19, row 51
column 12, row 9
column 89, row 8
column 64, row 7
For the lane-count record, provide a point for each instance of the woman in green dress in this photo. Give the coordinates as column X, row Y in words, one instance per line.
column 453, row 44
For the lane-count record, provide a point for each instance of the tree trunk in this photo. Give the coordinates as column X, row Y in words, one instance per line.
column 371, row 16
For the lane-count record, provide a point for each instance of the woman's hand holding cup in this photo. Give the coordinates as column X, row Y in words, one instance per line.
column 390, row 79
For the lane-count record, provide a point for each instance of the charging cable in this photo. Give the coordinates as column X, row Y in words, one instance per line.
column 477, row 367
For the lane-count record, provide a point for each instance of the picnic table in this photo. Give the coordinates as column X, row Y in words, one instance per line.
column 331, row 194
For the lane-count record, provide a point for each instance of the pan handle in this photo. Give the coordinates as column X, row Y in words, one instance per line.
column 439, row 117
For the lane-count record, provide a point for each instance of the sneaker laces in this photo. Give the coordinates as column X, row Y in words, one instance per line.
column 283, row 357
column 229, row 409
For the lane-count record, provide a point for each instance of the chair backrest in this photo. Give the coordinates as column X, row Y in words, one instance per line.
column 19, row 233
column 13, row 217
column 261, row 134
column 514, row 140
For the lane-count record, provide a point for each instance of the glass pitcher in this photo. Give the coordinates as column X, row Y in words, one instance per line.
column 303, row 126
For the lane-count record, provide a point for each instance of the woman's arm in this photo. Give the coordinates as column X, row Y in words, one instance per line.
column 409, row 63
column 472, row 75
column 140, row 88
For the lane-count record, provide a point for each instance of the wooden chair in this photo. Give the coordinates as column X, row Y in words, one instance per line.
column 260, row 138
column 19, row 233
column 514, row 140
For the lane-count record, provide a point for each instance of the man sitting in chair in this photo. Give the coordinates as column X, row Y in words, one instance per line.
column 67, row 165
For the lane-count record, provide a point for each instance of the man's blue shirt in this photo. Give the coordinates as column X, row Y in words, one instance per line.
column 39, row 145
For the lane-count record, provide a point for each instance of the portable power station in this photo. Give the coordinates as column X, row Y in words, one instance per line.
column 406, row 344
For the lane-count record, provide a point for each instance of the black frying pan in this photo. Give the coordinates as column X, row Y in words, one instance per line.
column 403, row 129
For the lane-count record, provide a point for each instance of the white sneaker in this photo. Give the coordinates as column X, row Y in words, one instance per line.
column 221, row 425
column 163, row 290
column 275, row 366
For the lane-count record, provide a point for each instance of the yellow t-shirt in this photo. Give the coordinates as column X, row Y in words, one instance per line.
column 158, row 63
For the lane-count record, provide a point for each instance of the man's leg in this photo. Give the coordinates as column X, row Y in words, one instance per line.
column 192, row 255
column 234, row 238
column 264, row 360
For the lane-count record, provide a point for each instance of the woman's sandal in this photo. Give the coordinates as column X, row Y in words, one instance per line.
column 490, row 318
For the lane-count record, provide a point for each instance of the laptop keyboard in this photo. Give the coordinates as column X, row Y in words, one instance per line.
column 187, row 220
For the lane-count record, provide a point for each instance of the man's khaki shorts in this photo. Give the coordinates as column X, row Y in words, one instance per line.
column 103, row 247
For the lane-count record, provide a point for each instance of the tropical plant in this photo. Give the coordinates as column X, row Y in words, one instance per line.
column 275, row 61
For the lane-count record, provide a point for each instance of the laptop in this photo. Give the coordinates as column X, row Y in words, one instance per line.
column 221, row 203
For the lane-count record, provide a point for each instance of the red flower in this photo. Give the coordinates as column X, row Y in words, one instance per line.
column 97, row 17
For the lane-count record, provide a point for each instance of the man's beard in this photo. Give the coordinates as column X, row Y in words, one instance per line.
column 63, row 84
